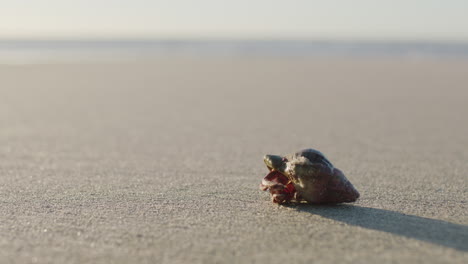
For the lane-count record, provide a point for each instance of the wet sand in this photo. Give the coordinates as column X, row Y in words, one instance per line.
column 160, row 161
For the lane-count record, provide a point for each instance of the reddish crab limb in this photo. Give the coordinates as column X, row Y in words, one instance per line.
column 279, row 186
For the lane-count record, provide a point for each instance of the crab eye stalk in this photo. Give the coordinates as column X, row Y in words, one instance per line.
column 273, row 162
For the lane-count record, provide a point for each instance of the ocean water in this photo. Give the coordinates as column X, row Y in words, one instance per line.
column 42, row 51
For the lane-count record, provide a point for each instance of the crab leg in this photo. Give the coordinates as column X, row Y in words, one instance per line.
column 280, row 188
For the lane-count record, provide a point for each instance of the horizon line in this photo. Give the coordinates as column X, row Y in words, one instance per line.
column 231, row 39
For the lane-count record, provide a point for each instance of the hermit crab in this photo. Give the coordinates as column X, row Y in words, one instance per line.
column 306, row 176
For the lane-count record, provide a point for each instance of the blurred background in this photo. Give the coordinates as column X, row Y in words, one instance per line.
column 133, row 131
column 119, row 29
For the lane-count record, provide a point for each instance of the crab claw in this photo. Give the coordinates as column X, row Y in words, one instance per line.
column 279, row 186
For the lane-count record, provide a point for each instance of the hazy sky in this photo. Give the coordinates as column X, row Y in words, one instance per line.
column 335, row 19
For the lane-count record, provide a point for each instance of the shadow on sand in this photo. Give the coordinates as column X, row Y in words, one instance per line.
column 428, row 230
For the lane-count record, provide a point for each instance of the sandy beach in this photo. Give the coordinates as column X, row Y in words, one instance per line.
column 159, row 161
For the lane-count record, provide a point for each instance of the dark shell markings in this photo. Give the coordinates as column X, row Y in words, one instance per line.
column 306, row 176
